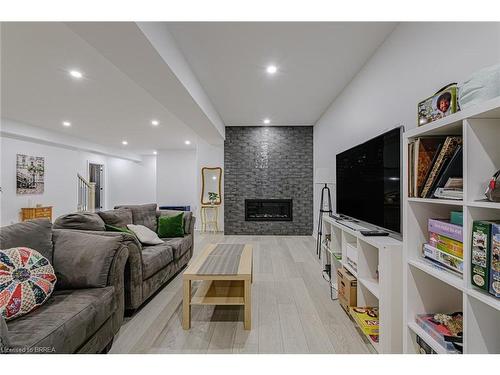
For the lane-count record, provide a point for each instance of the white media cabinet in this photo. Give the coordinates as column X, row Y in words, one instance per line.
column 347, row 247
column 428, row 289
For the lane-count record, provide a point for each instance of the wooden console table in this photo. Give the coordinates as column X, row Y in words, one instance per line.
column 36, row 213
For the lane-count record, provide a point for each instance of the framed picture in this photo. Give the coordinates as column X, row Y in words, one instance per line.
column 30, row 174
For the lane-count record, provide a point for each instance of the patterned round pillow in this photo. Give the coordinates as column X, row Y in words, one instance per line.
column 26, row 281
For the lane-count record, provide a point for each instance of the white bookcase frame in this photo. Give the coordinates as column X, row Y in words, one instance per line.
column 386, row 292
column 427, row 289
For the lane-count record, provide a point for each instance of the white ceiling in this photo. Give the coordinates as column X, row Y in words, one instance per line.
column 316, row 61
column 105, row 107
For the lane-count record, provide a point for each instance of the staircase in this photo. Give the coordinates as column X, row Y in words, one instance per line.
column 86, row 195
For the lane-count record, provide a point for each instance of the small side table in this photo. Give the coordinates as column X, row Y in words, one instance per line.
column 36, row 213
column 207, row 220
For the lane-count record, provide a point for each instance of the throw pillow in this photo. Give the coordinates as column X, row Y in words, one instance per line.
column 145, row 235
column 171, row 226
column 117, row 218
column 143, row 214
column 83, row 260
column 26, row 281
column 111, row 228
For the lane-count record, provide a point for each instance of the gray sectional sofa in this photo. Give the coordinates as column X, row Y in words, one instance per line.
column 86, row 309
column 148, row 267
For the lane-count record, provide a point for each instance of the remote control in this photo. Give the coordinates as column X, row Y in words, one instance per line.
column 373, row 233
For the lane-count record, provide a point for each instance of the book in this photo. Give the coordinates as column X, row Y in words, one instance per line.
column 449, row 261
column 448, row 245
column 411, row 164
column 425, row 150
column 445, row 154
column 446, row 228
column 495, row 260
column 452, row 169
column 366, row 318
column 480, row 254
column 443, row 193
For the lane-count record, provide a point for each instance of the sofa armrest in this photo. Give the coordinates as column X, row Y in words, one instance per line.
column 191, row 227
column 4, row 336
column 133, row 269
column 116, row 278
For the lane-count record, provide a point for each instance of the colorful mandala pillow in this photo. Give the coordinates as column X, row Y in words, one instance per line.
column 26, row 281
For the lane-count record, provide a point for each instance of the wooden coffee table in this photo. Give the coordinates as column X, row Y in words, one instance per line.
column 225, row 272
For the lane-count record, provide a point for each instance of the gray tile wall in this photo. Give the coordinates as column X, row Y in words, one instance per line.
column 268, row 163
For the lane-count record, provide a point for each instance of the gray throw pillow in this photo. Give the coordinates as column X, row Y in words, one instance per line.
column 80, row 220
column 35, row 234
column 83, row 260
column 143, row 214
column 117, row 218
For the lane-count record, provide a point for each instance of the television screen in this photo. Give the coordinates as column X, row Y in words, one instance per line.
column 368, row 181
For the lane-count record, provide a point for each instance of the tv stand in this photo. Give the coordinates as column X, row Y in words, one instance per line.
column 376, row 263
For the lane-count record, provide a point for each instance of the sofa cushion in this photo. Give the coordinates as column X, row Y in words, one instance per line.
column 143, row 214
column 180, row 245
column 145, row 235
column 188, row 216
column 65, row 322
column 35, row 234
column 4, row 335
column 171, row 226
column 118, row 218
column 27, row 280
column 80, row 220
column 83, row 260
column 154, row 258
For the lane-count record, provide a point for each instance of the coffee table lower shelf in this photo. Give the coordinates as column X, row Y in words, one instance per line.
column 219, row 292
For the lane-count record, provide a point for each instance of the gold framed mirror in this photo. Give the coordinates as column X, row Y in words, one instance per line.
column 211, row 180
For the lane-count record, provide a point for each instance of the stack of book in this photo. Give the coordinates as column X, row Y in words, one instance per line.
column 435, row 167
column 445, row 247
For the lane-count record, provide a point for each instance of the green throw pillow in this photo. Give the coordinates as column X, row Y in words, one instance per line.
column 171, row 226
column 111, row 228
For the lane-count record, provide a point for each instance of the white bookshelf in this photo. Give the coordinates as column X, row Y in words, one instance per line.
column 427, row 288
column 370, row 253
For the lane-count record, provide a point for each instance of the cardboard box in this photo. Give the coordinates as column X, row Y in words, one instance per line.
column 347, row 285
column 366, row 319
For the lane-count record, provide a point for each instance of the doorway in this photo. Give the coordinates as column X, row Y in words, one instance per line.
column 96, row 175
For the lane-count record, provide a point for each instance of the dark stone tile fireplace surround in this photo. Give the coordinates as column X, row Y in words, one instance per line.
column 268, row 180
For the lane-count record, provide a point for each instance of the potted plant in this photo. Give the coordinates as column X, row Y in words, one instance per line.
column 212, row 197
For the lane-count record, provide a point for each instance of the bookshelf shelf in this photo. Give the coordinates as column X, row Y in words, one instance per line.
column 449, row 202
column 374, row 256
column 426, row 287
column 440, row 274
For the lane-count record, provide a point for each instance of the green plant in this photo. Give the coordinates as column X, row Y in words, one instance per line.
column 212, row 197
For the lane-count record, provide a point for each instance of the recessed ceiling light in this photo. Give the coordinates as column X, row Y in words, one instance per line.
column 124, row 143
column 271, row 69
column 155, row 152
column 155, row 122
column 66, row 123
column 187, row 142
column 266, row 121
column 76, row 74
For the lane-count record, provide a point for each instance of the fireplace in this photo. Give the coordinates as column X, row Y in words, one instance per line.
column 268, row 210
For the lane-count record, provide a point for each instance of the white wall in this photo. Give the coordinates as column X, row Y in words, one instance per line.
column 416, row 60
column 126, row 181
column 176, row 178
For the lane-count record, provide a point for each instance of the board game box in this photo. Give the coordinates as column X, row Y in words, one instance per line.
column 366, row 318
column 446, row 228
column 449, row 261
column 446, row 244
column 495, row 260
column 480, row 254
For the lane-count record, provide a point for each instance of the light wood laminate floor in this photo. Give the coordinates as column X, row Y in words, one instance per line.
column 291, row 309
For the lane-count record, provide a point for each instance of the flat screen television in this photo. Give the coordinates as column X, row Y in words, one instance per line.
column 369, row 181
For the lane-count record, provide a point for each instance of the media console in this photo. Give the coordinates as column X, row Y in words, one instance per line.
column 376, row 262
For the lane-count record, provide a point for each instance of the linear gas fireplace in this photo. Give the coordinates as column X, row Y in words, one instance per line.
column 268, row 210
